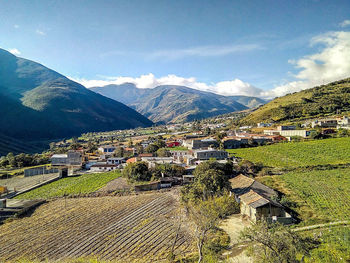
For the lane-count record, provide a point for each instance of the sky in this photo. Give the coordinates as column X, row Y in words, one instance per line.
column 263, row 48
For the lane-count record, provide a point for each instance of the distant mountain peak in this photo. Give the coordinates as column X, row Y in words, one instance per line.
column 174, row 103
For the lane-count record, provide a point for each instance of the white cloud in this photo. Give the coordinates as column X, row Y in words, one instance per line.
column 345, row 23
column 14, row 51
column 40, row 32
column 231, row 87
column 202, row 51
column 330, row 64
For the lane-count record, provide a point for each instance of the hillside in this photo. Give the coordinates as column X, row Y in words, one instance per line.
column 38, row 103
column 170, row 103
column 318, row 101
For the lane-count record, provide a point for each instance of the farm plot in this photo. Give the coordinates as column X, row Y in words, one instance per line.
column 326, row 192
column 299, row 154
column 20, row 183
column 127, row 228
column 82, row 184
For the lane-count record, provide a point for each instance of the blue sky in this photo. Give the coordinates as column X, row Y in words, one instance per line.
column 261, row 48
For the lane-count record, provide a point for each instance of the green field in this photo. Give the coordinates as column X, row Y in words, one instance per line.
column 177, row 148
column 326, row 192
column 83, row 184
column 298, row 154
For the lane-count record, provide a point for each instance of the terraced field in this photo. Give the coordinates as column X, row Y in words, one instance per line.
column 129, row 228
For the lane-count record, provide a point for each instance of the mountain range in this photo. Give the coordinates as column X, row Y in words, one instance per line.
column 174, row 104
column 315, row 102
column 38, row 103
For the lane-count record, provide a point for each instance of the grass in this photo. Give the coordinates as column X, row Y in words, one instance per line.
column 19, row 171
column 299, row 154
column 319, row 195
column 177, row 148
column 83, row 184
column 335, row 245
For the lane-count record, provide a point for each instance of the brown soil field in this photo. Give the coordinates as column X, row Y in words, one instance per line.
column 134, row 228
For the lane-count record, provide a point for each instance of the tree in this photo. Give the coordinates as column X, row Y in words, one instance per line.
column 163, row 152
column 137, row 172
column 119, row 152
column 276, row 243
column 130, row 143
column 152, row 148
column 211, row 179
column 206, row 216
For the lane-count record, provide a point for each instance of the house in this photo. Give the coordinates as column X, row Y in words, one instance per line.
column 211, row 153
column 71, row 158
column 148, row 187
column 257, row 201
column 115, row 160
column 325, row 123
column 199, row 144
column 343, row 123
column 287, row 131
column 106, row 149
column 179, row 156
column 262, row 124
column 131, row 160
column 145, row 155
column 152, row 161
column 172, row 144
column 101, row 167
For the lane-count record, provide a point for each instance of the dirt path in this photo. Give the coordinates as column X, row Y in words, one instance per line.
column 306, row 228
column 233, row 226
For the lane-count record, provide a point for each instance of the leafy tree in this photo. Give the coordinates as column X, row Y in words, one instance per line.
column 152, row 148
column 168, row 170
column 130, row 143
column 119, row 152
column 276, row 243
column 139, row 148
column 163, row 152
column 211, row 179
column 207, row 214
column 160, row 143
column 137, row 172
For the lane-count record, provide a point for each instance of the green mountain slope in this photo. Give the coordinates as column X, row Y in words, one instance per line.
column 318, row 101
column 39, row 103
column 170, row 103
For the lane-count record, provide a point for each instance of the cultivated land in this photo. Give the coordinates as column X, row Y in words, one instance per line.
column 299, row 154
column 21, row 183
column 82, row 184
column 321, row 195
column 133, row 228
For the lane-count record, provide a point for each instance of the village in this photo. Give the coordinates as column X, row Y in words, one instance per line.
column 180, row 147
column 165, row 159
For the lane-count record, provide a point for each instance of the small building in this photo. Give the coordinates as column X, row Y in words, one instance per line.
column 211, row 153
column 115, row 160
column 288, row 133
column 200, row 144
column 262, row 124
column 325, row 123
column 257, row 201
column 148, row 187
column 72, row 158
column 179, row 156
column 98, row 167
column 152, row 161
column 172, row 144
column 106, row 149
